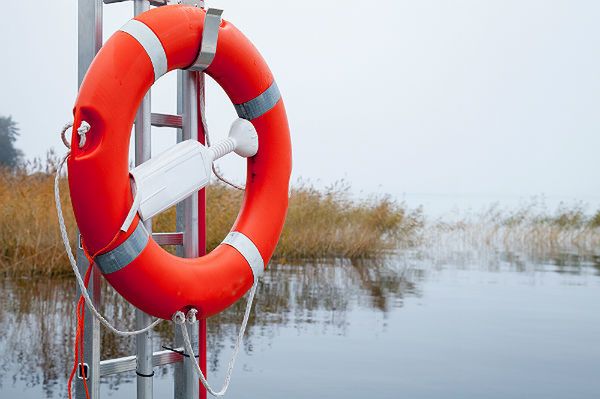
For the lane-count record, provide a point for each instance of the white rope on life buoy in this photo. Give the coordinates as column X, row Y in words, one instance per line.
column 178, row 318
column 82, row 130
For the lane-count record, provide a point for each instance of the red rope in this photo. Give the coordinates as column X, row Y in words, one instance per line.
column 78, row 360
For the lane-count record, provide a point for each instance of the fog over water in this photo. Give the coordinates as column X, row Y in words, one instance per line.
column 447, row 103
column 450, row 105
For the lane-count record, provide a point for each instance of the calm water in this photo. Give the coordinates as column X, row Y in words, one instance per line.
column 462, row 325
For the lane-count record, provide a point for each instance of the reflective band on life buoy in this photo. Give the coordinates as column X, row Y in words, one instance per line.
column 155, row 42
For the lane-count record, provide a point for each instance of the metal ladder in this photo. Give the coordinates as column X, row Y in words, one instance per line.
column 190, row 237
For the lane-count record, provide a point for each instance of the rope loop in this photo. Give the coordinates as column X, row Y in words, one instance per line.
column 178, row 317
column 65, row 238
column 191, row 316
column 63, row 132
column 82, row 130
column 207, row 137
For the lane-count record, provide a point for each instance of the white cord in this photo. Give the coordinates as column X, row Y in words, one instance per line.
column 137, row 199
column 83, row 128
column 207, row 136
column 81, row 131
column 224, row 180
column 63, row 132
column 180, row 319
column 73, row 262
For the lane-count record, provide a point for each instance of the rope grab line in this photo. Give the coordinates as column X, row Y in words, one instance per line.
column 178, row 318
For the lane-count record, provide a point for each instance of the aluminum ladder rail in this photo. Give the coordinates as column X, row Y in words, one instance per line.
column 190, row 237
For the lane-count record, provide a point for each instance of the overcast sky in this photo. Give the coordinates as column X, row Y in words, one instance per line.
column 441, row 102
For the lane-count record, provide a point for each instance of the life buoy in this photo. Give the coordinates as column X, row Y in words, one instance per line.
column 155, row 42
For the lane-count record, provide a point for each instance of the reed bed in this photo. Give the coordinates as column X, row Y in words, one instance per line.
column 531, row 229
column 29, row 236
column 321, row 224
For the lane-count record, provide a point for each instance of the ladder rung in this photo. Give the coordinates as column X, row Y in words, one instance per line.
column 168, row 238
column 128, row 363
column 165, row 120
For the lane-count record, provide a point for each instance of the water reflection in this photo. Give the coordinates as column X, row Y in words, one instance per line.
column 36, row 325
column 37, row 315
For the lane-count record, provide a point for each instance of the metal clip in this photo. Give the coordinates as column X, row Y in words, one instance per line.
column 156, row 3
column 210, row 35
column 193, row 3
column 83, row 371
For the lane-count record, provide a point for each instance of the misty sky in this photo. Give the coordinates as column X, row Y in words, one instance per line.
column 453, row 102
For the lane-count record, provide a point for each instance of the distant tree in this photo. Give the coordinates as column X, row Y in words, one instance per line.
column 9, row 132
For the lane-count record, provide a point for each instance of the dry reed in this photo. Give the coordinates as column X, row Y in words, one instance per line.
column 531, row 229
column 321, row 224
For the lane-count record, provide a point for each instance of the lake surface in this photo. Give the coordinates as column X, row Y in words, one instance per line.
column 466, row 324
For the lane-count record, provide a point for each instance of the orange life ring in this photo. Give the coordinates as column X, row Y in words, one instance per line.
column 155, row 42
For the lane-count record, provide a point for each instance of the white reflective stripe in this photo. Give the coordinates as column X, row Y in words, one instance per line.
column 125, row 253
column 259, row 105
column 246, row 247
column 149, row 41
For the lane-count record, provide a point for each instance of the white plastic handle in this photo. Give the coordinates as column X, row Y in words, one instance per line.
column 243, row 140
column 168, row 178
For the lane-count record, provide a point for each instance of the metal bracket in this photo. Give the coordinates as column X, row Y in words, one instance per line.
column 194, row 3
column 210, row 35
column 83, row 371
column 156, row 3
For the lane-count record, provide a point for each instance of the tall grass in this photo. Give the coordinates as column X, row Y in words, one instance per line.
column 29, row 236
column 531, row 229
column 321, row 224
